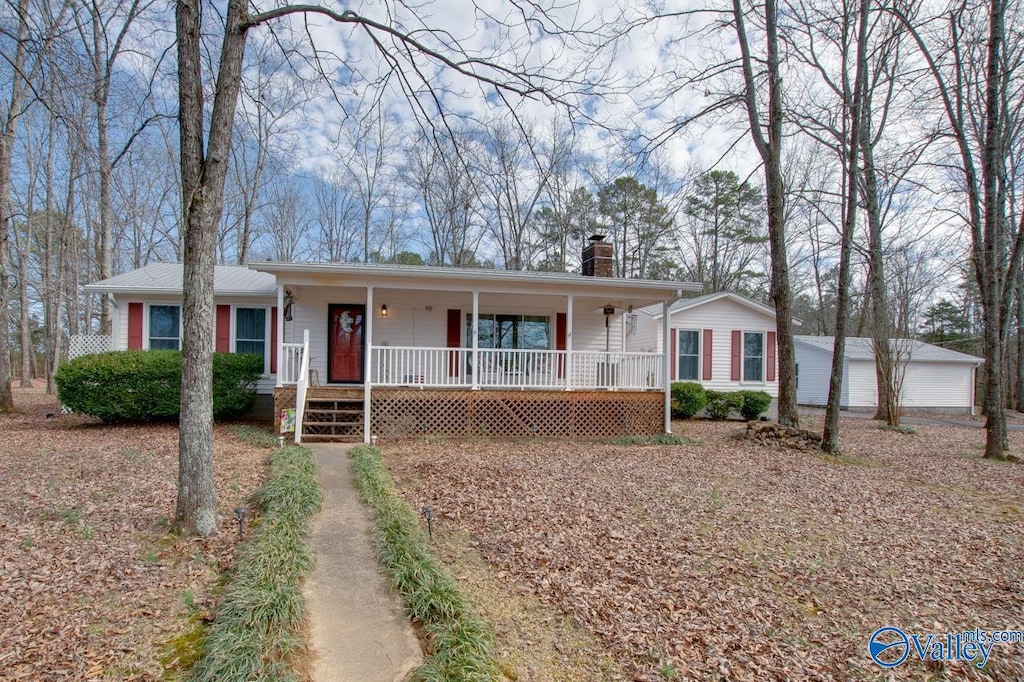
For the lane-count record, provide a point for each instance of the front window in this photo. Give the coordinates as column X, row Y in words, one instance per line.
column 689, row 354
column 251, row 331
column 753, row 356
column 514, row 332
column 164, row 327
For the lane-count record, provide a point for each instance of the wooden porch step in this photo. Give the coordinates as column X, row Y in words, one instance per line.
column 334, row 393
column 319, row 410
column 331, row 438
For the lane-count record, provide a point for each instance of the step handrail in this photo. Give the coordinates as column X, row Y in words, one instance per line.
column 300, row 387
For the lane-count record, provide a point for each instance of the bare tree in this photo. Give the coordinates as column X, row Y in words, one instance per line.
column 335, row 209
column 515, row 171
column 448, row 195
column 406, row 52
column 768, row 139
column 982, row 110
column 103, row 28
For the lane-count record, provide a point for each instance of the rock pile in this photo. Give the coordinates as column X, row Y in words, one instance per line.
column 776, row 435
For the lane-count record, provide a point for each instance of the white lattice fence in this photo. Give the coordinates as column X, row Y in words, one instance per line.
column 86, row 344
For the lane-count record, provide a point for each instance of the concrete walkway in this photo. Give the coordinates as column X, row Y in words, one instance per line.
column 359, row 632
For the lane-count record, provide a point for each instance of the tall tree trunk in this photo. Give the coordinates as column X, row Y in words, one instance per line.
column 888, row 409
column 25, row 321
column 770, row 150
column 7, row 133
column 990, row 278
column 1020, row 340
column 202, row 203
column 830, row 434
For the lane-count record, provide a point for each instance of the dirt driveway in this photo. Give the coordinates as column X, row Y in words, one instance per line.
column 725, row 561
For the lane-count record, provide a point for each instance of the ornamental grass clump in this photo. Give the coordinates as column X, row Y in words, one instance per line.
column 460, row 646
column 257, row 630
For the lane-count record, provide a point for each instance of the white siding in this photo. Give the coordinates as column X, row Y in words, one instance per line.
column 120, row 322
column 722, row 317
column 925, row 385
column 815, row 368
column 935, row 384
column 859, row 385
column 418, row 318
column 647, row 335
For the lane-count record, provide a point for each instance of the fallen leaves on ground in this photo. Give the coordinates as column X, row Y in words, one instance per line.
column 729, row 561
column 92, row 582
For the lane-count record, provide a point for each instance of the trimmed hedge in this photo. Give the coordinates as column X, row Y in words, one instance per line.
column 721, row 404
column 688, row 398
column 145, row 385
column 755, row 403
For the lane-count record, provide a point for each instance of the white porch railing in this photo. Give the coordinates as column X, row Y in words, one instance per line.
column 631, row 371
column 290, row 366
column 300, row 387
column 499, row 368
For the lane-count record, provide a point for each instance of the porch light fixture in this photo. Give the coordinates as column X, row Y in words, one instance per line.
column 384, row 310
column 289, row 304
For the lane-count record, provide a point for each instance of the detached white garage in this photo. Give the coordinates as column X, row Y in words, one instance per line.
column 934, row 378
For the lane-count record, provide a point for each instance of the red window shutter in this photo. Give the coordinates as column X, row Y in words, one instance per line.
column 737, row 355
column 673, row 353
column 223, row 329
column 770, row 351
column 135, row 326
column 706, row 355
column 454, row 340
column 273, row 340
column 561, row 328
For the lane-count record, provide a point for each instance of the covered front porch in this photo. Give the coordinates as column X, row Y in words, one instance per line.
column 407, row 339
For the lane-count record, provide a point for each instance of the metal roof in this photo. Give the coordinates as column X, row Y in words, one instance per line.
column 860, row 348
column 494, row 280
column 687, row 303
column 166, row 278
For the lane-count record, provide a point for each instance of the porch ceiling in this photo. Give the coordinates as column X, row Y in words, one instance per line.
column 484, row 281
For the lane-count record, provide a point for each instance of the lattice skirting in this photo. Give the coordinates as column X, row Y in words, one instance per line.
column 284, row 399
column 400, row 413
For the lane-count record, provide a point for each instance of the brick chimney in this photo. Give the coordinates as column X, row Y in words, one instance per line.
column 597, row 257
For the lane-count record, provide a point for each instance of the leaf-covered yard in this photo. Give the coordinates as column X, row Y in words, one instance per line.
column 727, row 561
column 92, row 582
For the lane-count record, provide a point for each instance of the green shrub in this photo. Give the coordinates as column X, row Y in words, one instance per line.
column 145, row 385
column 688, row 398
column 257, row 632
column 721, row 404
column 755, row 403
column 461, row 645
column 234, row 383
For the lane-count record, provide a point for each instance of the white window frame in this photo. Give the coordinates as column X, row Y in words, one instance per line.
column 266, row 331
column 743, row 357
column 145, row 321
column 700, row 351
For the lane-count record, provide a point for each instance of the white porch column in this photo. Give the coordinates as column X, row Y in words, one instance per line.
column 665, row 359
column 568, row 343
column 280, row 332
column 367, row 361
column 476, row 338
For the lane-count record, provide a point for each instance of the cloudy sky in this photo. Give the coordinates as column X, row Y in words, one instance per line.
column 613, row 77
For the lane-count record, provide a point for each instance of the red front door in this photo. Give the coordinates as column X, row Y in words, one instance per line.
column 345, row 343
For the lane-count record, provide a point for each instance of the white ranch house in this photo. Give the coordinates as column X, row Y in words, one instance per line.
column 356, row 351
